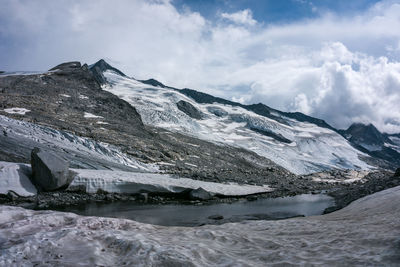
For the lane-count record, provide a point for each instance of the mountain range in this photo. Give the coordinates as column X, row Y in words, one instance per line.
column 181, row 131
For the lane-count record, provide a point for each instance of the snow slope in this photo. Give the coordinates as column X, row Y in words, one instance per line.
column 83, row 151
column 366, row 233
column 311, row 148
column 15, row 178
column 130, row 182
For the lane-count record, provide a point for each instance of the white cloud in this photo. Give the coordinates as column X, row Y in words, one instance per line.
column 241, row 17
column 341, row 69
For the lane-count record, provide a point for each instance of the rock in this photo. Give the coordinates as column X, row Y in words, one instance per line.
column 199, row 194
column 216, row 217
column 189, row 110
column 67, row 66
column 397, row 173
column 49, row 171
column 12, row 195
column 144, row 197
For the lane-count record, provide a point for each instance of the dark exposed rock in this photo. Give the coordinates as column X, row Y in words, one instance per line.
column 217, row 111
column 397, row 173
column 366, row 136
column 12, row 195
column 216, row 217
column 189, row 110
column 49, row 172
column 368, row 139
column 152, row 82
column 199, row 194
column 276, row 136
column 67, row 66
column 99, row 67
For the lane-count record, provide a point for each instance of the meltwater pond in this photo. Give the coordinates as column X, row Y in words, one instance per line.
column 194, row 215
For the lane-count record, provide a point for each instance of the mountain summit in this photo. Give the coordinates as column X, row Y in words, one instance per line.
column 100, row 67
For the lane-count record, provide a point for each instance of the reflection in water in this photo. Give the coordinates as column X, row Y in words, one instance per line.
column 193, row 215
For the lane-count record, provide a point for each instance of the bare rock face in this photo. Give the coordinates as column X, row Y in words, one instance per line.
column 189, row 110
column 49, row 171
column 397, row 173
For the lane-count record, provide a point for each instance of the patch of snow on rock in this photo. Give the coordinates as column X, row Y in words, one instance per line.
column 20, row 111
column 65, row 95
column 66, row 141
column 88, row 115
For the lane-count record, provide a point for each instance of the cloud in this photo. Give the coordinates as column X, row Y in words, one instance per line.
column 241, row 17
column 341, row 69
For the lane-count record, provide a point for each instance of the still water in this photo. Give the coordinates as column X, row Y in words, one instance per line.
column 194, row 215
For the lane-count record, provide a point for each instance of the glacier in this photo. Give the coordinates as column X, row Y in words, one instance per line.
column 307, row 148
column 364, row 233
column 19, row 137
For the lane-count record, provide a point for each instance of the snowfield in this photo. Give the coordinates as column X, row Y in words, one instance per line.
column 18, row 134
column 309, row 148
column 364, row 233
column 132, row 183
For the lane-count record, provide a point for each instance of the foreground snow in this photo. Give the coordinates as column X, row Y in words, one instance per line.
column 311, row 149
column 364, row 233
column 131, row 182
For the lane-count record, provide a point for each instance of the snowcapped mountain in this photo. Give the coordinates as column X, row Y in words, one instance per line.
column 295, row 141
column 186, row 132
column 369, row 140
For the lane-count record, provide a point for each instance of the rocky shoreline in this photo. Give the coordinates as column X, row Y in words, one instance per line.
column 343, row 193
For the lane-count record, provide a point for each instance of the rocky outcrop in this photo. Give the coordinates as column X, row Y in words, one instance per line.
column 49, row 171
column 101, row 66
column 189, row 110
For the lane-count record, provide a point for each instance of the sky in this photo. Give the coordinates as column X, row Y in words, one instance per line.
column 332, row 59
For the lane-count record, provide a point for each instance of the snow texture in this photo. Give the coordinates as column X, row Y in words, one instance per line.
column 311, row 149
column 20, row 111
column 91, row 116
column 70, row 144
column 15, row 178
column 130, row 182
column 366, row 233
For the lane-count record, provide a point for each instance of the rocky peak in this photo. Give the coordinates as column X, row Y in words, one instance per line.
column 365, row 135
column 100, row 67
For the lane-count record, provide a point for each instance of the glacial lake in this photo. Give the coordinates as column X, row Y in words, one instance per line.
column 195, row 215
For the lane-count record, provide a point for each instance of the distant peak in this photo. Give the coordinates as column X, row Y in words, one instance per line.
column 363, row 126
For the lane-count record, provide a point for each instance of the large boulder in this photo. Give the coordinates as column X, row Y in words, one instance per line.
column 49, row 171
column 199, row 194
